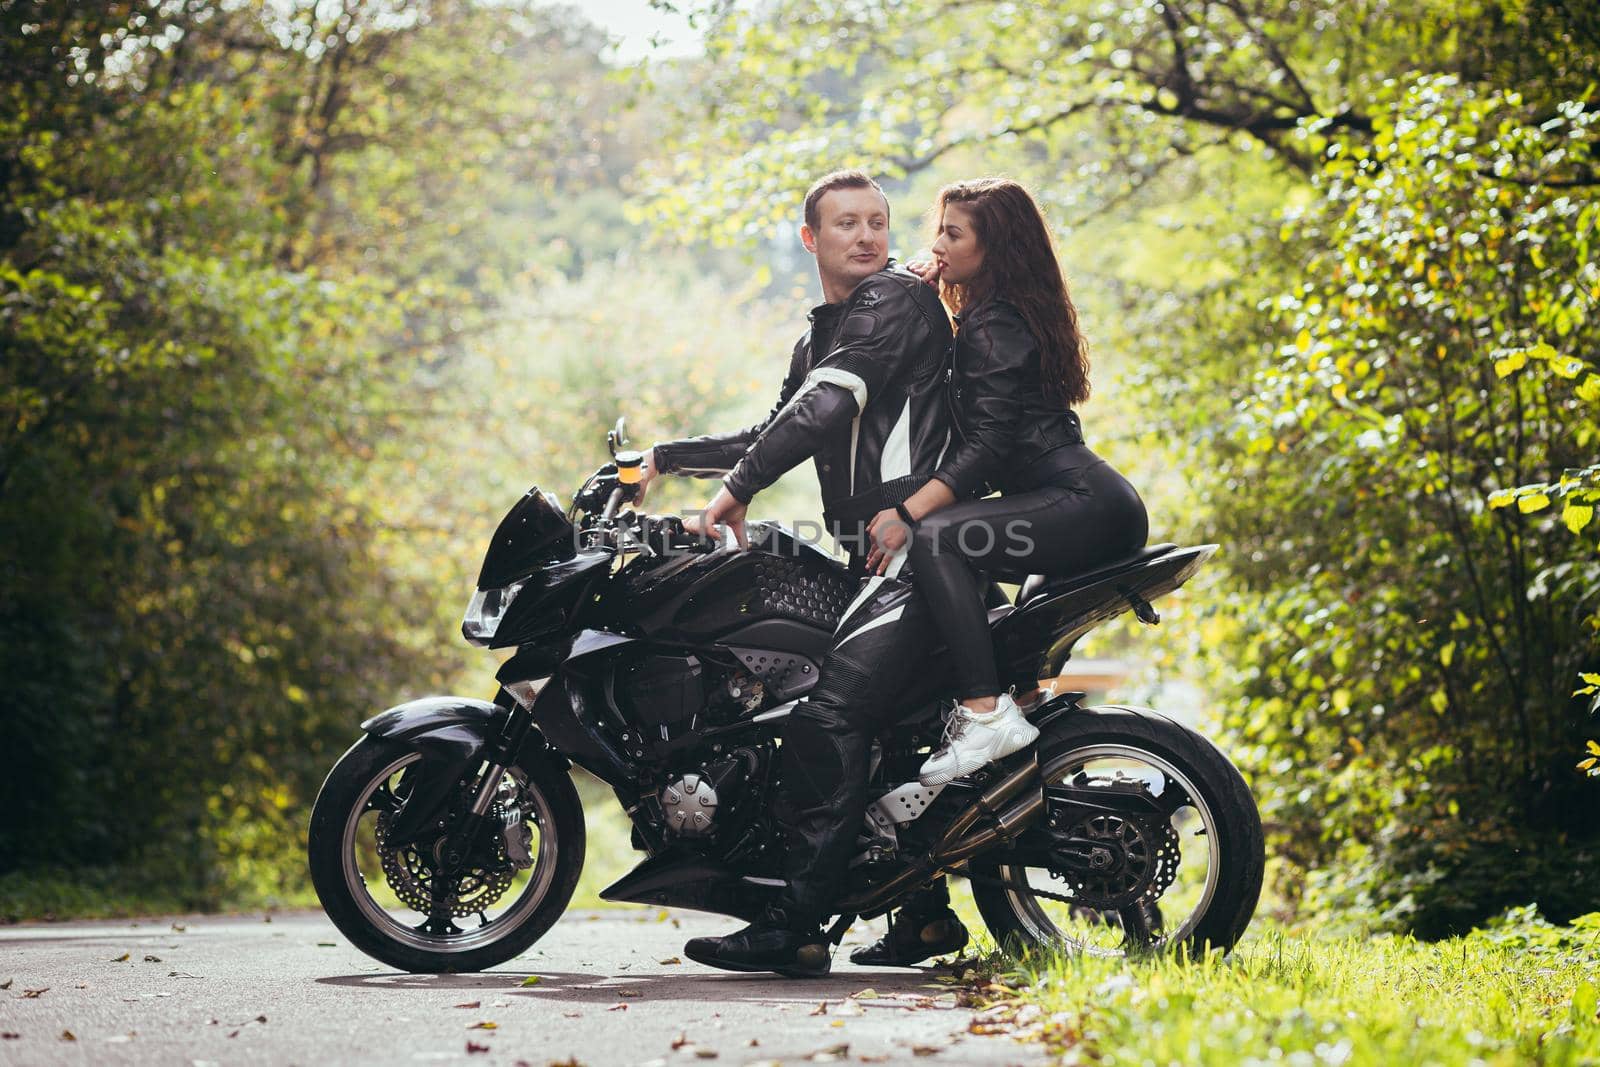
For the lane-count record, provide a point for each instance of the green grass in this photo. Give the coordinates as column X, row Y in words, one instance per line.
column 1522, row 992
column 115, row 893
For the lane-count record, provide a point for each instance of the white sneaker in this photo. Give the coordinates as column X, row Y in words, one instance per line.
column 972, row 739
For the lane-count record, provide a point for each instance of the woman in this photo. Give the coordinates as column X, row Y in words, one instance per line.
column 1020, row 367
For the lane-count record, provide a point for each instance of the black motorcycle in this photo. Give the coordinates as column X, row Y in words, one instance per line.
column 451, row 836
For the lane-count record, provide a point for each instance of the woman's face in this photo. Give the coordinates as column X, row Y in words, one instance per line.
column 956, row 249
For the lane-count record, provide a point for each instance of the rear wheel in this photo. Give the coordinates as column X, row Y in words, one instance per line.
column 1186, row 875
column 393, row 900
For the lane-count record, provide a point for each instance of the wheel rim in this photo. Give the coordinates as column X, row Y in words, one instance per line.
column 500, row 919
column 1193, row 886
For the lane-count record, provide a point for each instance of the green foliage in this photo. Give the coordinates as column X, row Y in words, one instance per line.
column 1522, row 991
column 238, row 249
column 1407, row 649
column 1095, row 101
column 1578, row 489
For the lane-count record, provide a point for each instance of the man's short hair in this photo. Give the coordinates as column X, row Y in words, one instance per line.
column 839, row 179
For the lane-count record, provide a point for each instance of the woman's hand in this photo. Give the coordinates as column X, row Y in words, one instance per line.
column 926, row 269
column 723, row 509
column 889, row 534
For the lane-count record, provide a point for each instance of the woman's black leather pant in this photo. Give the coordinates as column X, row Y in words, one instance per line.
column 1069, row 512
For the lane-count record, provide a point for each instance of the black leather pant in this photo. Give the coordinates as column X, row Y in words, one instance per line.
column 827, row 741
column 1072, row 512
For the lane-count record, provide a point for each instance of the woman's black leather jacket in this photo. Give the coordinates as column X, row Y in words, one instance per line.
column 1005, row 424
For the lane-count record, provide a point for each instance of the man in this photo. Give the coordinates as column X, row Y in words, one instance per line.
column 864, row 398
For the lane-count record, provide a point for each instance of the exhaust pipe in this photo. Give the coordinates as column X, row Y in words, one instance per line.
column 1011, row 804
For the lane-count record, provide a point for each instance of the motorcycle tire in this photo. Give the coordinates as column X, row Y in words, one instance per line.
column 1233, row 836
column 374, row 929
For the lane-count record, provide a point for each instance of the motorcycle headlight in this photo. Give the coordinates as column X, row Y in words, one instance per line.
column 487, row 610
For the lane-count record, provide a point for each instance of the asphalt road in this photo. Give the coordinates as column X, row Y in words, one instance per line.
column 611, row 990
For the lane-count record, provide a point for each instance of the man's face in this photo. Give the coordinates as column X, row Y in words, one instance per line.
column 851, row 240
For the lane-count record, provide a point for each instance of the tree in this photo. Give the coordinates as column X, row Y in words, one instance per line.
column 1096, row 99
column 1409, row 651
column 239, row 247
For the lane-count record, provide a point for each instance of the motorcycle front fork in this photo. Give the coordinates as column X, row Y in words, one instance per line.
column 500, row 753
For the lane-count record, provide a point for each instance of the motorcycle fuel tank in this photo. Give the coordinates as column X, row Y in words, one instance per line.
column 694, row 599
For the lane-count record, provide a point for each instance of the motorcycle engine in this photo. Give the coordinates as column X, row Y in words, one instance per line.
column 690, row 801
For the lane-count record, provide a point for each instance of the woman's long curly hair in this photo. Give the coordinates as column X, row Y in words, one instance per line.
column 1019, row 266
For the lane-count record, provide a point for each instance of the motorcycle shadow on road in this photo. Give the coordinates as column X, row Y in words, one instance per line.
column 618, row 991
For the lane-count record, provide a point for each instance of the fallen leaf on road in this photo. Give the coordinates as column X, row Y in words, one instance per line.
column 179, row 927
column 484, row 1025
column 663, row 915
column 181, row 974
column 9, row 1035
column 837, row 1022
column 669, row 961
column 865, row 994
column 618, row 1007
column 830, row 1054
column 532, row 979
column 152, row 959
column 261, row 1018
column 122, row 958
column 679, row 1041
column 753, row 1043
column 572, row 1015
column 627, row 992
column 864, row 1058
column 34, row 994
column 706, row 1053
column 7, row 983
column 850, row 1007
column 327, row 944
column 68, row 1035
column 925, row 1050
column 944, row 1000
column 473, row 1046
column 820, row 1009
column 470, row 1004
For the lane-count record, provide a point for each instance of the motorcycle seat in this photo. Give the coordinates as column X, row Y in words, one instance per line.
column 1048, row 585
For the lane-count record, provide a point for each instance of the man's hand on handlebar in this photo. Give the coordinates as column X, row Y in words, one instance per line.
column 647, row 474
column 724, row 509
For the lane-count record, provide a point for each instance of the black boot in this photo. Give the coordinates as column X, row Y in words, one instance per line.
column 912, row 938
column 774, row 942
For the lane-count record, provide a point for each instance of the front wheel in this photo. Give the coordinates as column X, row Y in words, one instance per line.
column 388, row 898
column 1177, row 852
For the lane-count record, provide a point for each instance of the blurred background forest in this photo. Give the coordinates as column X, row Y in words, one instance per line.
column 298, row 296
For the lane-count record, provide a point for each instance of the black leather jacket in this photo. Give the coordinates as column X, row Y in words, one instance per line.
column 869, row 408
column 1005, row 424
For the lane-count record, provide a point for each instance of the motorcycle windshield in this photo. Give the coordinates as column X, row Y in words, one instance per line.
column 533, row 533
